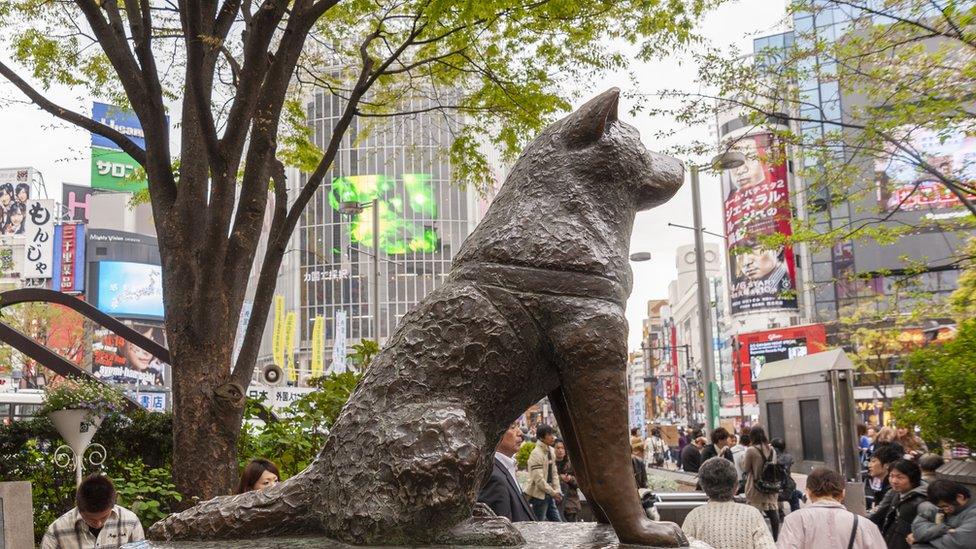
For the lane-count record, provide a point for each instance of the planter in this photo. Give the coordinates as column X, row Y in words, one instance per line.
column 77, row 427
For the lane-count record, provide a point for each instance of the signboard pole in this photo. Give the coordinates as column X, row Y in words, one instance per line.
column 704, row 322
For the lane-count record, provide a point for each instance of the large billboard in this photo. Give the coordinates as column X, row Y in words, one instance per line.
column 756, row 349
column 902, row 184
column 407, row 210
column 111, row 168
column 129, row 290
column 116, row 360
column 15, row 192
column 757, row 203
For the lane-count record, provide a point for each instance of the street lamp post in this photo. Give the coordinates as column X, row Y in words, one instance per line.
column 726, row 161
column 354, row 208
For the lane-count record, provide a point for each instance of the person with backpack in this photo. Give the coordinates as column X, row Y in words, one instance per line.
column 825, row 522
column 789, row 493
column 764, row 477
column 656, row 448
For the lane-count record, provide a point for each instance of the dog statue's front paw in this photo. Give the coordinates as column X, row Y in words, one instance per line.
column 655, row 534
column 483, row 529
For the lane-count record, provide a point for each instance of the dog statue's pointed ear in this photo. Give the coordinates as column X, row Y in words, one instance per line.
column 587, row 124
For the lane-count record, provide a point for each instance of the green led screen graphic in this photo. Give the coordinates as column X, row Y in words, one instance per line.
column 406, row 211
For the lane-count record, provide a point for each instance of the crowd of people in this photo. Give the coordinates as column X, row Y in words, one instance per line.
column 908, row 507
column 747, row 479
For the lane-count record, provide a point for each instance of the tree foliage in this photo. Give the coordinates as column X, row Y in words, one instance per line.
column 497, row 70
column 866, row 89
column 293, row 441
column 940, row 389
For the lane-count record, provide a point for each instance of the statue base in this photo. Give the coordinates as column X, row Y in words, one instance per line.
column 543, row 535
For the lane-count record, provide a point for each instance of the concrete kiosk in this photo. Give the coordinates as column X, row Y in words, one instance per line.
column 808, row 401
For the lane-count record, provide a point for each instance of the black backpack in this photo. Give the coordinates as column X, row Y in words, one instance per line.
column 770, row 481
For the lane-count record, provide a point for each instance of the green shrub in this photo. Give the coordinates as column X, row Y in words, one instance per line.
column 147, row 492
column 142, row 440
column 522, row 456
column 295, row 439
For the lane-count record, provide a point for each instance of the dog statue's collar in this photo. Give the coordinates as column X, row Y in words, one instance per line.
column 541, row 281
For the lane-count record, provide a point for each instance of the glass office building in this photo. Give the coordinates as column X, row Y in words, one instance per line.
column 851, row 275
column 402, row 163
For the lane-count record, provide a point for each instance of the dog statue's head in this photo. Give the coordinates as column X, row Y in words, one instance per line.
column 605, row 151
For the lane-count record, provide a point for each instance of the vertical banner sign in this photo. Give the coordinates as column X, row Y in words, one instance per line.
column 339, row 345
column 290, row 346
column 318, row 344
column 69, row 258
column 39, row 239
column 278, row 333
column 241, row 329
column 757, row 203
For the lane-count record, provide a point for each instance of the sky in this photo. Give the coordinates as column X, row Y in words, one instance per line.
column 31, row 137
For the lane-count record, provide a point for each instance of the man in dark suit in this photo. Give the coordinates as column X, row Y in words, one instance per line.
column 502, row 492
column 720, row 446
column 691, row 458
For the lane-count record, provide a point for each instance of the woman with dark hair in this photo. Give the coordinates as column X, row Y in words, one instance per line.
column 570, row 505
column 14, row 218
column 760, row 454
column 258, row 475
column 894, row 517
column 23, row 193
column 6, row 195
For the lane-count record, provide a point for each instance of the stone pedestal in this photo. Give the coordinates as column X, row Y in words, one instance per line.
column 541, row 535
column 16, row 515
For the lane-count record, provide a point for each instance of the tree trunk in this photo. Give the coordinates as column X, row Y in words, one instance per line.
column 205, row 431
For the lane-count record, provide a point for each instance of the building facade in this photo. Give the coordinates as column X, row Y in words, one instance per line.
column 402, row 164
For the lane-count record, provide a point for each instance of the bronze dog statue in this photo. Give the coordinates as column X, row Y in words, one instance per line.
column 534, row 306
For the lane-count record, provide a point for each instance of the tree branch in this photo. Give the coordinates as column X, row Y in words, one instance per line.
column 79, row 120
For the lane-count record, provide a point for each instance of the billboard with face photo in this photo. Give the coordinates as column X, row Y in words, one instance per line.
column 757, row 203
column 15, row 191
column 116, row 360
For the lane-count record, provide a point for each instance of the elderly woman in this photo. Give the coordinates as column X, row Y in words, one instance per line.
column 721, row 522
column 825, row 522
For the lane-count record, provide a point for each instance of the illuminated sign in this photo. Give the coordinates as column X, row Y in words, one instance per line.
column 756, row 349
column 407, row 210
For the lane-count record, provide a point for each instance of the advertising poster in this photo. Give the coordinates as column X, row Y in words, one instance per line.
column 756, row 349
column 127, row 289
column 339, row 345
column 290, row 346
column 39, row 239
column 245, row 319
column 115, row 360
column 278, row 332
column 903, row 185
column 111, row 168
column 15, row 192
column 757, row 202
column 318, row 346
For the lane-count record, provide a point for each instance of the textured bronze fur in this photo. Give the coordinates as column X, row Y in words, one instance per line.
column 534, row 306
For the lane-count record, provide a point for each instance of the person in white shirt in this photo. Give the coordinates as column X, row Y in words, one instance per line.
column 722, row 522
column 502, row 491
column 96, row 521
column 825, row 522
column 739, row 450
